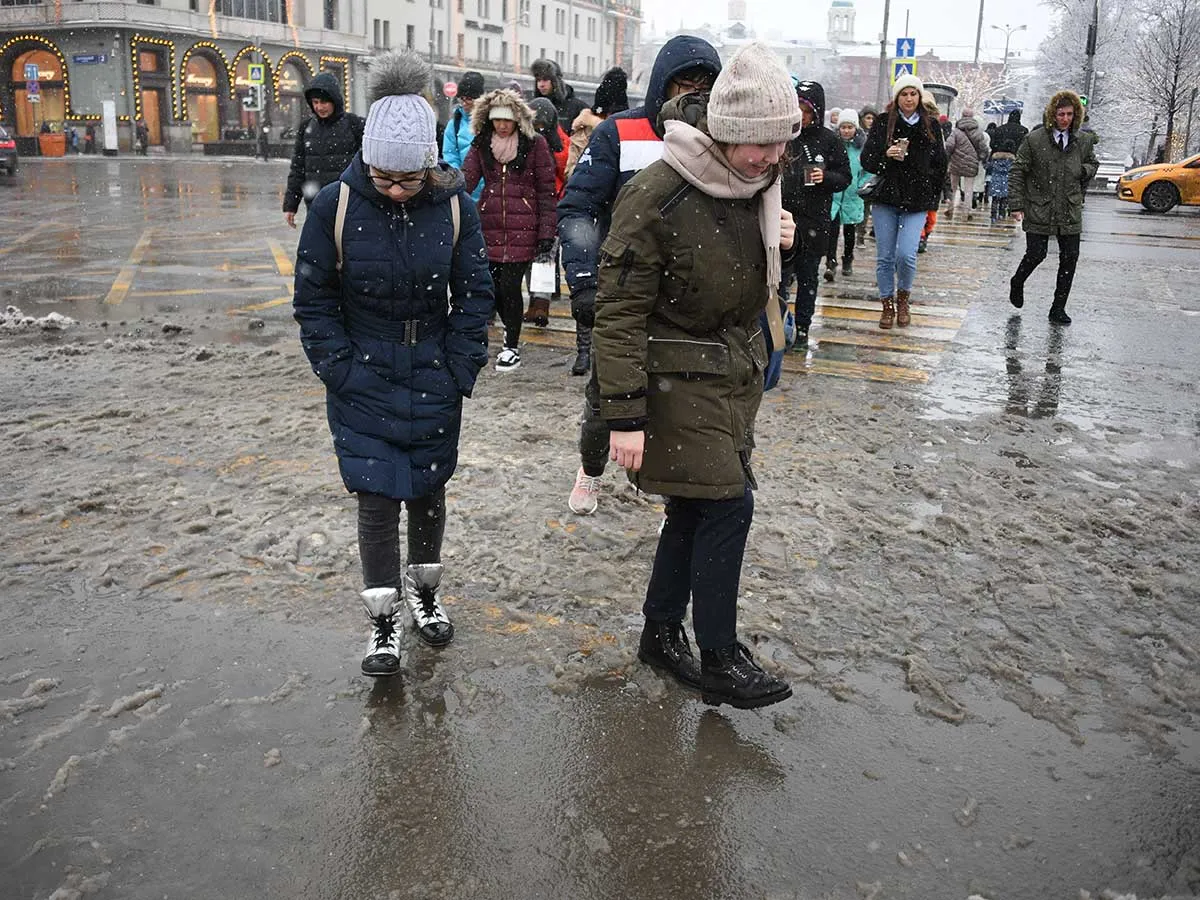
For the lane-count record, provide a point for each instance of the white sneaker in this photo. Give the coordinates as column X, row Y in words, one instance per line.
column 508, row 360
column 585, row 495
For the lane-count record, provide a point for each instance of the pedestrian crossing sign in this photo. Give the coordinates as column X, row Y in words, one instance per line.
column 256, row 73
column 903, row 67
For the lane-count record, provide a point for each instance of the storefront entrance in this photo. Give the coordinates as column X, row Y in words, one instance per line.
column 202, row 91
column 48, row 103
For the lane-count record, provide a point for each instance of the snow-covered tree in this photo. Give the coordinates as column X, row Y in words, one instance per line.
column 1166, row 61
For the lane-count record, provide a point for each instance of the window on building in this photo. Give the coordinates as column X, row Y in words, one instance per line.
column 487, row 48
column 524, row 56
column 460, row 49
column 146, row 2
column 378, row 33
column 149, row 61
column 262, row 10
column 504, row 10
column 331, row 14
column 479, row 48
column 543, row 17
column 194, row 5
column 591, row 28
column 441, row 38
column 560, row 57
column 575, row 64
column 410, row 36
column 576, row 26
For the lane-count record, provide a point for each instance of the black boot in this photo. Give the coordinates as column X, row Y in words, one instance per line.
column 664, row 645
column 730, row 675
column 1058, row 313
column 847, row 265
column 583, row 350
column 1016, row 292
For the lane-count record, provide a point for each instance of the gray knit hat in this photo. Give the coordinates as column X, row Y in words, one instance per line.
column 753, row 100
column 401, row 130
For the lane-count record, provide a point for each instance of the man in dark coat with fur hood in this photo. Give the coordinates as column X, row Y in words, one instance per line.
column 325, row 144
column 548, row 82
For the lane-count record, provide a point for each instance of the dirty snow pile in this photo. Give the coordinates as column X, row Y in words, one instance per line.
column 13, row 319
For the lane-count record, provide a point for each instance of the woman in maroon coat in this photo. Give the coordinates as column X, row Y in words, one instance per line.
column 517, row 206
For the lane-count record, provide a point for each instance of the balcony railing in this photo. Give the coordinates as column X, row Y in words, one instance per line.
column 136, row 15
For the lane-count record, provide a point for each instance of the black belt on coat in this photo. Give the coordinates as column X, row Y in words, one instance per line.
column 406, row 331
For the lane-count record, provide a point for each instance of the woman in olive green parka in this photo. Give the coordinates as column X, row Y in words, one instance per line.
column 693, row 256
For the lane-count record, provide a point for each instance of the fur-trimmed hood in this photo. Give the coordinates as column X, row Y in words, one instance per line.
column 1048, row 114
column 549, row 69
column 480, row 115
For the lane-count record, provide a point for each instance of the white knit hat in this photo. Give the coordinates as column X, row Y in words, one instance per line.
column 753, row 100
column 848, row 116
column 907, row 81
column 400, row 134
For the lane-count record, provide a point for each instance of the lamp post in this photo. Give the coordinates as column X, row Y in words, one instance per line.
column 1007, row 34
column 881, row 91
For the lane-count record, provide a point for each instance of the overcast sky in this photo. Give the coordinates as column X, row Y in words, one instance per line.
column 945, row 26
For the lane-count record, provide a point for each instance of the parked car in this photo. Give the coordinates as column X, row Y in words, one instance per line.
column 1109, row 174
column 1161, row 187
column 8, row 152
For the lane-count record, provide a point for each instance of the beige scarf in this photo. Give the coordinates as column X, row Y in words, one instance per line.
column 698, row 160
column 504, row 149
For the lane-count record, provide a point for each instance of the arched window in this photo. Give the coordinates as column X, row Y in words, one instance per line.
column 200, row 86
column 48, row 103
column 290, row 100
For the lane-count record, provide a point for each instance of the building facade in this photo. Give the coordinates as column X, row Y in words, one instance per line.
column 187, row 68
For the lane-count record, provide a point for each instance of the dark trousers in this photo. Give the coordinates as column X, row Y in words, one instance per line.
column 507, row 279
column 1036, row 246
column 806, row 265
column 699, row 557
column 847, row 233
column 593, row 431
column 379, row 535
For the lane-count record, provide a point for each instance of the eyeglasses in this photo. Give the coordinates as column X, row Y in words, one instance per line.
column 405, row 184
column 693, row 85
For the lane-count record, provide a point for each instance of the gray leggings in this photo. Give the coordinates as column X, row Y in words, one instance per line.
column 379, row 535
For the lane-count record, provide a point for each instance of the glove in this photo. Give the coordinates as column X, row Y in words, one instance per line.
column 544, row 246
column 583, row 306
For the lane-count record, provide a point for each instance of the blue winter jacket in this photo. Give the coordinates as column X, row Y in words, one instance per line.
column 399, row 335
column 456, row 142
column 586, row 207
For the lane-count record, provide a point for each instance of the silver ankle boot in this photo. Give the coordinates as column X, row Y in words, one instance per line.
column 383, row 651
column 421, row 586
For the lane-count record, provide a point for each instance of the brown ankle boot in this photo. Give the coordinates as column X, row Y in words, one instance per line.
column 889, row 313
column 902, row 308
column 539, row 311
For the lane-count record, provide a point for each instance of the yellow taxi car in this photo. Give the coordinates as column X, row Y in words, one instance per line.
column 1161, row 187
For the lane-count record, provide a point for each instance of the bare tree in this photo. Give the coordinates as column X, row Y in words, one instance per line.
column 975, row 83
column 1166, row 55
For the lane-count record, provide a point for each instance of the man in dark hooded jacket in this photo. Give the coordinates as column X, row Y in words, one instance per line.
column 819, row 169
column 548, row 82
column 620, row 147
column 325, row 144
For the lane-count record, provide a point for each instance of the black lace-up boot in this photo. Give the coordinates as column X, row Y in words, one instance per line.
column 664, row 645
column 383, row 650
column 730, row 675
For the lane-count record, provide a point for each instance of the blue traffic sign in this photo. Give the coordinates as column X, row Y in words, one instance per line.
column 31, row 72
column 906, row 48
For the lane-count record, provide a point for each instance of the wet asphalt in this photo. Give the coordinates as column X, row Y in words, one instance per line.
column 229, row 754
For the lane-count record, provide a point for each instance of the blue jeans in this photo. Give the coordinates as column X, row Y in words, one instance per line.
column 699, row 557
column 897, row 234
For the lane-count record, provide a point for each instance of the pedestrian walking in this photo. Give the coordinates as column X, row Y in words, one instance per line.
column 325, row 144
column 620, row 146
column 264, row 142
column 141, row 137
column 456, row 139
column 966, row 149
column 905, row 150
column 611, row 97
column 89, row 139
column 1005, row 144
column 393, row 298
column 548, row 82
column 545, row 123
column 1046, row 188
column 866, row 118
column 692, row 319
column 847, row 210
column 819, row 169
column 517, row 206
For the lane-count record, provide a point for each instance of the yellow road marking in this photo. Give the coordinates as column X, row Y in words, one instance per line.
column 183, row 292
column 868, row 371
column 120, row 288
column 24, row 237
column 872, row 315
column 268, row 304
column 281, row 259
column 192, row 250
